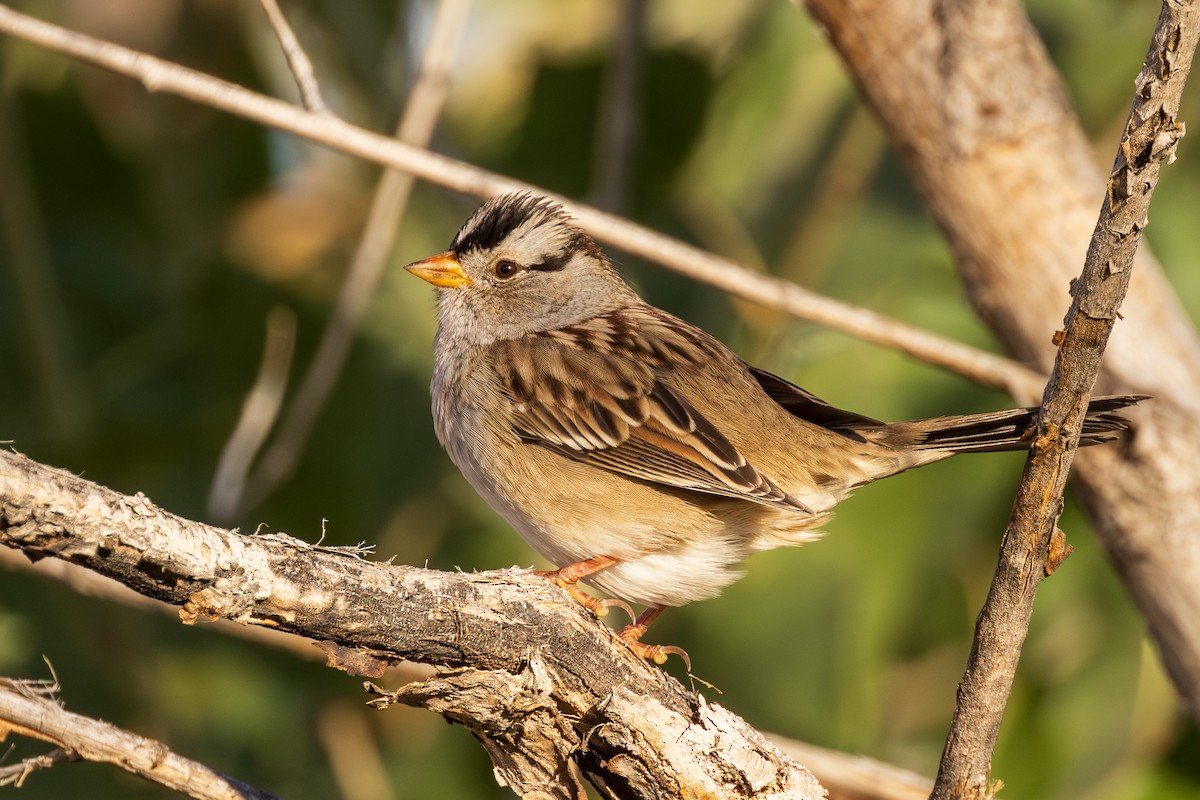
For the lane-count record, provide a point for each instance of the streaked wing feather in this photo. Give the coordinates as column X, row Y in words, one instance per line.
column 597, row 397
column 641, row 459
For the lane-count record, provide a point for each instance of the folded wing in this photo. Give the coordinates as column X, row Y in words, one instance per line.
column 597, row 396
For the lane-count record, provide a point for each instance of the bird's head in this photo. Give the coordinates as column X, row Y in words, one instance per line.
column 520, row 264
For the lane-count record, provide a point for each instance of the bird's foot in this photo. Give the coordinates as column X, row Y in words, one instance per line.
column 632, row 635
column 569, row 576
column 590, row 602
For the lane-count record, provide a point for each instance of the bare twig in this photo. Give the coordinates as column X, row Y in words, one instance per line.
column 259, row 412
column 838, row 190
column 1027, row 552
column 16, row 774
column 352, row 750
column 161, row 76
column 298, row 60
column 27, row 709
column 854, row 777
column 619, row 120
column 513, row 652
column 391, row 196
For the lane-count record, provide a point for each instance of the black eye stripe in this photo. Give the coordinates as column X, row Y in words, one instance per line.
column 553, row 263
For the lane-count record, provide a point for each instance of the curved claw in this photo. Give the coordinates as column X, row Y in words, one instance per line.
column 567, row 577
column 602, row 606
column 658, row 653
column 632, row 635
column 594, row 604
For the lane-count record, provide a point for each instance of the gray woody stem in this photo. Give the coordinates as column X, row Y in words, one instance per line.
column 32, row 708
column 235, row 491
column 972, row 102
column 1029, row 549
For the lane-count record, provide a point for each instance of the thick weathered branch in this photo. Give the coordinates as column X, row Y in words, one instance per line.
column 972, row 102
column 845, row 776
column 570, row 689
column 31, row 708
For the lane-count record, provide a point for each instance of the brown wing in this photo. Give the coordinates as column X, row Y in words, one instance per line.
column 593, row 392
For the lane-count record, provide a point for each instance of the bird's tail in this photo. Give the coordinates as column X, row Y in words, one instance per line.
column 1001, row 430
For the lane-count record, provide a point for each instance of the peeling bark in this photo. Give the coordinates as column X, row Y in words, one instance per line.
column 534, row 677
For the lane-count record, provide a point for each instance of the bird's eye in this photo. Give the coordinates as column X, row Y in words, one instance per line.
column 505, row 268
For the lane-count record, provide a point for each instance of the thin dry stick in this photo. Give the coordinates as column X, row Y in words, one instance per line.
column 259, row 412
column 416, row 127
column 840, row 188
column 1030, row 548
column 298, row 60
column 31, row 708
column 854, row 777
column 16, row 774
column 352, row 749
column 620, row 115
column 160, row 76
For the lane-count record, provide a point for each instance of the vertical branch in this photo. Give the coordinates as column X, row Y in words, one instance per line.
column 260, row 409
column 620, row 114
column 1151, row 134
column 971, row 101
column 387, row 207
column 298, row 60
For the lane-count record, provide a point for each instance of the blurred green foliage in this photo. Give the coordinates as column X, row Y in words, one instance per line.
column 146, row 238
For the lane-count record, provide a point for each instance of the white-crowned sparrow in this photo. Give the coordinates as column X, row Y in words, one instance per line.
column 630, row 448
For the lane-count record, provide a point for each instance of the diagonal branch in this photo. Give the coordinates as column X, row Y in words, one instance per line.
column 32, row 709
column 1029, row 549
column 971, row 100
column 259, row 411
column 162, row 76
column 298, row 60
column 842, row 774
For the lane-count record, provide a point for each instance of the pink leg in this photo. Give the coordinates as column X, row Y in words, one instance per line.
column 568, row 578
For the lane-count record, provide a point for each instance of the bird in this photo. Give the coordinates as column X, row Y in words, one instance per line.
column 630, row 448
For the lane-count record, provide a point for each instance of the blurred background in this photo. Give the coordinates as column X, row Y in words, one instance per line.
column 146, row 241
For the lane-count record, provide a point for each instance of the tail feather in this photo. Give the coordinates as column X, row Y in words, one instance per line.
column 1000, row 430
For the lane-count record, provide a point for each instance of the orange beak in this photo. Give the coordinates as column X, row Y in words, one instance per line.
column 441, row 270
